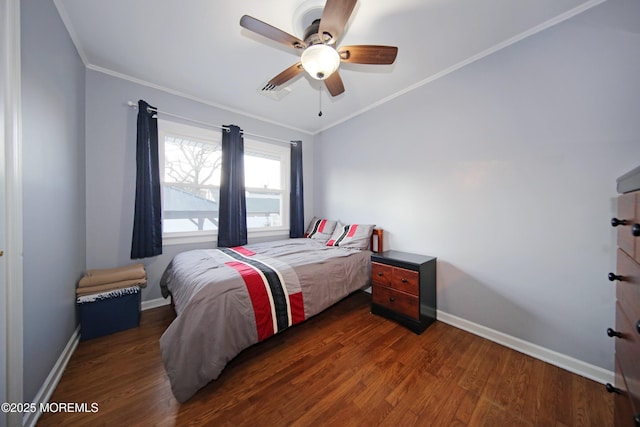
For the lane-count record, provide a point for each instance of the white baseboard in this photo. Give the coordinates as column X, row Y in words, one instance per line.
column 158, row 302
column 50, row 384
column 560, row 360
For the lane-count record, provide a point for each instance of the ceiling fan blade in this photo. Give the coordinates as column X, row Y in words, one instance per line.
column 284, row 76
column 334, row 84
column 335, row 15
column 271, row 32
column 368, row 54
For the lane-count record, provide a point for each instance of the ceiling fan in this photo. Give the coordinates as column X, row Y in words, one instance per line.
column 320, row 57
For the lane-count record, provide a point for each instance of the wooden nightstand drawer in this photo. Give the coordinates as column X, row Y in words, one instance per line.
column 405, row 280
column 381, row 273
column 397, row 301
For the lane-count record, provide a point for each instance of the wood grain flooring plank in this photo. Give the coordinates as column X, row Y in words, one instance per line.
column 344, row 367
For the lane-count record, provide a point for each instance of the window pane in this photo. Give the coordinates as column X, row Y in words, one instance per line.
column 191, row 161
column 191, row 184
column 264, row 209
column 262, row 172
column 185, row 210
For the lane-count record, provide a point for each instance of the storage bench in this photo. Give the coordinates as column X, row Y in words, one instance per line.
column 109, row 312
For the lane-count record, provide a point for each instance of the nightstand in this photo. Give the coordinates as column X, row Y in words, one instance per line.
column 403, row 288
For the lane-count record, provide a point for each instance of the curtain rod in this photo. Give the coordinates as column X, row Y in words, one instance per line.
column 149, row 110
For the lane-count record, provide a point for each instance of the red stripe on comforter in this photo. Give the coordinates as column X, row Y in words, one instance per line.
column 297, row 308
column 262, row 305
column 243, row 251
column 259, row 298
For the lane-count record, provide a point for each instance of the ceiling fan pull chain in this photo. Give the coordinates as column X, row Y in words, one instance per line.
column 320, row 102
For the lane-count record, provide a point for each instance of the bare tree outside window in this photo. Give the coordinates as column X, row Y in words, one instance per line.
column 193, row 164
column 191, row 184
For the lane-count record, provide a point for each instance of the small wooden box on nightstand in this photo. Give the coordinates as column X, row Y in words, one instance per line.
column 403, row 288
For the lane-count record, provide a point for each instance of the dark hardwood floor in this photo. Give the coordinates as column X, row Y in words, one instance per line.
column 342, row 367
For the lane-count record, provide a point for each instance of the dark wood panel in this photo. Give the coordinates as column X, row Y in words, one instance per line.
column 627, row 211
column 636, row 222
column 405, row 280
column 628, row 289
column 627, row 351
column 381, row 273
column 342, row 367
column 397, row 301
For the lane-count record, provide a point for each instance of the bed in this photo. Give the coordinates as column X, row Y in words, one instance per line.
column 228, row 299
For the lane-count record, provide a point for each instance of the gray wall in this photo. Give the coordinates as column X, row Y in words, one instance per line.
column 53, row 187
column 111, row 166
column 505, row 170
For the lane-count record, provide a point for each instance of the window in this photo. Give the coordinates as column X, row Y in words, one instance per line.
column 190, row 173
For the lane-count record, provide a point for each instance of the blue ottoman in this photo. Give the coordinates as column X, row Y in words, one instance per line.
column 109, row 312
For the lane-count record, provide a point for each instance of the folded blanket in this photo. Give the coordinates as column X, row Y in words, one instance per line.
column 108, row 295
column 111, row 275
column 87, row 290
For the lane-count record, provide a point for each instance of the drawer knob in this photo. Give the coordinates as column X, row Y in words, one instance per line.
column 403, row 280
column 614, row 277
column 392, row 299
column 611, row 389
column 616, row 222
column 379, row 273
column 612, row 333
column 635, row 230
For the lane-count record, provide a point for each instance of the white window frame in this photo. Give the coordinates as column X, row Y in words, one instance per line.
column 284, row 155
column 166, row 127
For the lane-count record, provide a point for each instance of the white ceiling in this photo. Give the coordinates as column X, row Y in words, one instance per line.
column 196, row 48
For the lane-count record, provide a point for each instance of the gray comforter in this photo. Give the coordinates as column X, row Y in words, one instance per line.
column 227, row 300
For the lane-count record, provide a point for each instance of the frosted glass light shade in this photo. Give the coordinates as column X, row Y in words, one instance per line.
column 320, row 61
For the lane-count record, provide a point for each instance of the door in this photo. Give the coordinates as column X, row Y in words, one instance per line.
column 3, row 217
column 10, row 212
column 3, row 269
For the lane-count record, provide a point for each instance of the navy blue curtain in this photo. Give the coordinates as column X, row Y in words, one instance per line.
column 296, row 228
column 232, row 212
column 147, row 219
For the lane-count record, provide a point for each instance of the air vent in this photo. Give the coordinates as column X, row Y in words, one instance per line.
column 276, row 93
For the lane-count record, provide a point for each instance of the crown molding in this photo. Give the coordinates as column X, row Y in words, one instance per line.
column 513, row 40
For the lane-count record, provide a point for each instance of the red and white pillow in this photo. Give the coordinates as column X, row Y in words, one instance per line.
column 320, row 229
column 356, row 236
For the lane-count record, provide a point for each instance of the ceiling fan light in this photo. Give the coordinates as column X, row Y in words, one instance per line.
column 320, row 61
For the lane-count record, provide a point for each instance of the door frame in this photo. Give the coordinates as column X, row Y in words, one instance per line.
column 12, row 260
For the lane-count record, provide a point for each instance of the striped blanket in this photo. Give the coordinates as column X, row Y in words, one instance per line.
column 228, row 299
column 277, row 304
